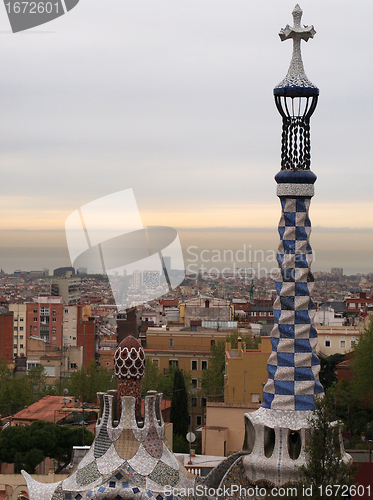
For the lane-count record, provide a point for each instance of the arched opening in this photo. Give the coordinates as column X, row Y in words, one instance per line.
column 269, row 441
column 249, row 441
column 22, row 495
column 294, row 444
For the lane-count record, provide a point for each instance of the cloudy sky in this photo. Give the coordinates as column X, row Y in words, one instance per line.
column 173, row 98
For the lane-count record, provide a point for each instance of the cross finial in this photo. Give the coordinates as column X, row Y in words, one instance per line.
column 297, row 31
column 296, row 76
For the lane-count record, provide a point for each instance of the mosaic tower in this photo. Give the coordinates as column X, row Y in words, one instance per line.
column 276, row 433
column 293, row 366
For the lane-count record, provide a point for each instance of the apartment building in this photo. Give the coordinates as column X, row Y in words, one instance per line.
column 190, row 351
column 44, row 319
column 19, row 311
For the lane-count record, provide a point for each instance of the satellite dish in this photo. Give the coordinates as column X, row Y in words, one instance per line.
column 191, row 437
column 66, row 391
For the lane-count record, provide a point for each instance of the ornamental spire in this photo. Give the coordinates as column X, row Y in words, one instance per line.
column 296, row 99
column 296, row 82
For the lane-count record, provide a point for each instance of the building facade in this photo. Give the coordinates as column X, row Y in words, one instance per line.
column 19, row 311
column 44, row 319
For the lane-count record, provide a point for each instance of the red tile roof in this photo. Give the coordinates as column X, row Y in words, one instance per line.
column 44, row 409
column 169, row 302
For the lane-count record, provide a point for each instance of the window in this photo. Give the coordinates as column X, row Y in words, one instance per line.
column 54, row 320
column 207, row 303
column 204, row 365
column 50, row 371
column 21, row 328
column 173, row 362
column 327, row 343
column 199, row 420
column 194, row 364
column 342, row 343
column 15, row 346
column 16, row 328
column 73, row 366
column 203, row 402
column 194, row 383
column 35, row 328
column 212, row 342
column 255, row 398
column 35, row 320
column 54, row 311
column 66, row 311
column 21, row 319
column 32, row 364
column 155, row 362
column 194, row 402
column 21, row 346
column 35, row 310
column 21, row 337
column 44, row 311
column 170, row 342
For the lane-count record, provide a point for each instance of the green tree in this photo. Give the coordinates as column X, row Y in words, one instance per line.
column 88, row 381
column 28, row 446
column 37, row 378
column 325, row 465
column 15, row 394
column 250, row 341
column 346, row 404
column 150, row 381
column 328, row 376
column 363, row 365
column 212, row 381
column 180, row 444
column 179, row 405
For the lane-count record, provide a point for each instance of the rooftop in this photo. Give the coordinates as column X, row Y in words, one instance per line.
column 44, row 409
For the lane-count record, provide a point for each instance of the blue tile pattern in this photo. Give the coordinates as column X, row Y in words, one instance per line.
column 102, row 442
column 293, row 366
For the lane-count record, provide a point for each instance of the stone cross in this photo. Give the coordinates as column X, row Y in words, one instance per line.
column 297, row 33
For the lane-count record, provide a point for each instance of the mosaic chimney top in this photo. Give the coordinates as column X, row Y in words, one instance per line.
column 129, row 458
column 129, row 359
column 129, row 368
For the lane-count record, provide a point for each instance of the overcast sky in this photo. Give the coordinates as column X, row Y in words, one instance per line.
column 173, row 98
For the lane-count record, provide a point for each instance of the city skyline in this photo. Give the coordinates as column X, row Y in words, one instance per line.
column 175, row 101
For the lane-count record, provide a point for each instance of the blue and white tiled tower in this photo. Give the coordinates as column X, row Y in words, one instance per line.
column 276, row 433
column 293, row 366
